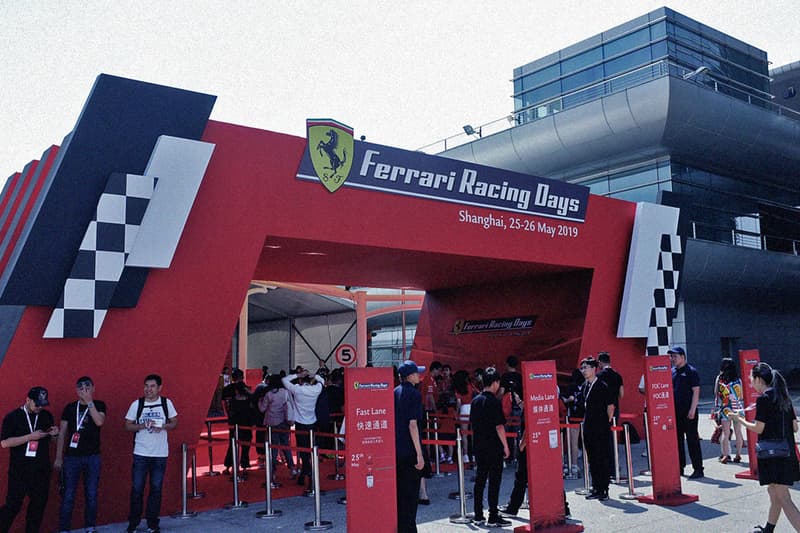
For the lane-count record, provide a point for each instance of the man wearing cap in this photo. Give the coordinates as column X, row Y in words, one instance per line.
column 686, row 394
column 408, row 417
column 80, row 430
column 27, row 432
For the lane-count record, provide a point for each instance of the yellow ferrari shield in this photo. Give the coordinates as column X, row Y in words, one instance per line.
column 330, row 148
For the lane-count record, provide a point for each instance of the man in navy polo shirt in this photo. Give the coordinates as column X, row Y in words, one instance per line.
column 408, row 417
column 686, row 392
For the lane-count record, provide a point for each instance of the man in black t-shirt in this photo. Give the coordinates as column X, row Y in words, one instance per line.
column 80, row 430
column 408, row 417
column 27, row 432
column 489, row 446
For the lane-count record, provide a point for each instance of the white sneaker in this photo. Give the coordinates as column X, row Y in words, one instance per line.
column 466, row 458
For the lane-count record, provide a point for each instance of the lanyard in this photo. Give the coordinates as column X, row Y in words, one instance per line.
column 28, row 419
column 79, row 419
column 588, row 392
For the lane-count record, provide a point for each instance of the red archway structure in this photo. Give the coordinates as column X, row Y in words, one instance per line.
column 253, row 218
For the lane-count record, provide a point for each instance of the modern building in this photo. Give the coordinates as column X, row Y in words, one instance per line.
column 665, row 109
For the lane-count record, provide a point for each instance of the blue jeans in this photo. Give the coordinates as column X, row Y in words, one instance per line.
column 74, row 466
column 142, row 466
column 282, row 438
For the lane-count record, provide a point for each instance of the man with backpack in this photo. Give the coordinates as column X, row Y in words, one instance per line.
column 149, row 417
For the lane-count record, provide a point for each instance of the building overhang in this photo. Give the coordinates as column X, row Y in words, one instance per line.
column 667, row 116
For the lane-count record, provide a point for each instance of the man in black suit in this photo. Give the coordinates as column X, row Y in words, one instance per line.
column 597, row 428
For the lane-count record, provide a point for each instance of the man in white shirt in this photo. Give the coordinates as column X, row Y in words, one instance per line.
column 304, row 394
column 150, row 417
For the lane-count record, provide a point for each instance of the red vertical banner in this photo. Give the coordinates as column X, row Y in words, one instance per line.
column 543, row 449
column 747, row 360
column 664, row 461
column 369, row 449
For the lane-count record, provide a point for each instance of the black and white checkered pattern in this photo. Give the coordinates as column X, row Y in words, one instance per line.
column 665, row 295
column 101, row 258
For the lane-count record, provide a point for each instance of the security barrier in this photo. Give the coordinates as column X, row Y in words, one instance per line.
column 236, row 504
column 460, row 518
column 631, row 494
column 269, row 512
column 185, row 513
column 567, row 426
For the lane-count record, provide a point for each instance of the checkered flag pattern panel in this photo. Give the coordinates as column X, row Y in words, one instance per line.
column 665, row 295
column 101, row 258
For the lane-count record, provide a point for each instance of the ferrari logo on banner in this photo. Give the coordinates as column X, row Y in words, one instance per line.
column 330, row 148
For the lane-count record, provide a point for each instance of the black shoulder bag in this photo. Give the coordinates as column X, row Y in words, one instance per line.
column 774, row 448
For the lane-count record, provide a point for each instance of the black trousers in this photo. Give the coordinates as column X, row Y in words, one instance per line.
column 687, row 429
column 244, row 457
column 489, row 465
column 597, row 446
column 408, row 480
column 304, row 441
column 33, row 483
column 520, row 482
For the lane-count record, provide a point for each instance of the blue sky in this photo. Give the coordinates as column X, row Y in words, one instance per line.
column 402, row 73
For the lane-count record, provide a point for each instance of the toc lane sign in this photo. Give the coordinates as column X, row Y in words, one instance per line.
column 369, row 450
column 664, row 462
column 543, row 450
column 747, row 360
column 346, row 354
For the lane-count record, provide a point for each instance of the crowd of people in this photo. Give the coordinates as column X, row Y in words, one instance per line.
column 436, row 401
column 592, row 397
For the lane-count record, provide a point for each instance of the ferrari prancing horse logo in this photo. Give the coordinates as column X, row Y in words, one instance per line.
column 330, row 148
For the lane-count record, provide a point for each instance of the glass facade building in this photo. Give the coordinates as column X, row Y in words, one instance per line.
column 636, row 52
column 667, row 110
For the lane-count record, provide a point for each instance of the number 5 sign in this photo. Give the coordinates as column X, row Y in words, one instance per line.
column 346, row 354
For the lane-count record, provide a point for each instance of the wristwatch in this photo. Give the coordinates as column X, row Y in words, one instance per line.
column 90, row 405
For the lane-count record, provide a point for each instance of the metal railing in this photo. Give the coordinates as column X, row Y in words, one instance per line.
column 743, row 238
column 606, row 87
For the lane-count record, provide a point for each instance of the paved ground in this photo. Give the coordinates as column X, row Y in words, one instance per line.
column 726, row 505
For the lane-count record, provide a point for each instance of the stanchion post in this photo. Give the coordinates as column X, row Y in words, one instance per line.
column 237, row 503
column 318, row 524
column 568, row 438
column 195, row 495
column 311, row 439
column 631, row 494
column 586, row 488
column 462, row 495
column 617, row 479
column 184, row 496
column 647, row 472
column 337, row 476
column 438, row 472
column 211, row 472
column 269, row 512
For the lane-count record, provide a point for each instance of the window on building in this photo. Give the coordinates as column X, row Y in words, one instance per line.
column 584, row 59
column 628, row 42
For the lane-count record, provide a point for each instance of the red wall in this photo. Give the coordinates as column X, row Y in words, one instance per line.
column 186, row 315
column 557, row 300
